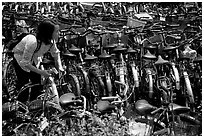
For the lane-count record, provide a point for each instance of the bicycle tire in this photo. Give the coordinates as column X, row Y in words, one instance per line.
column 28, row 129
column 73, row 82
column 9, row 75
column 147, row 83
column 86, row 90
column 97, row 86
column 188, row 126
column 86, row 85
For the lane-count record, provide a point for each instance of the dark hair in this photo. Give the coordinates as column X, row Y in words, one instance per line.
column 45, row 31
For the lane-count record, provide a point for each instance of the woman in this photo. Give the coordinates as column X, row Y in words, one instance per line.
column 28, row 54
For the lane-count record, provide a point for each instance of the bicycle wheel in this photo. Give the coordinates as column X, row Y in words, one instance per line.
column 133, row 82
column 27, row 129
column 9, row 75
column 84, row 81
column 72, row 85
column 85, row 86
column 97, row 87
column 183, row 125
column 187, row 125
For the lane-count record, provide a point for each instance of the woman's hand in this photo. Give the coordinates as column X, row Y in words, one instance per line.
column 45, row 73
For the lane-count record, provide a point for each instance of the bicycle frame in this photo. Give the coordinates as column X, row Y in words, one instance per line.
column 176, row 76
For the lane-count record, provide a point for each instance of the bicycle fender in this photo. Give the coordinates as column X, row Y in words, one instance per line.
column 86, row 79
column 78, row 91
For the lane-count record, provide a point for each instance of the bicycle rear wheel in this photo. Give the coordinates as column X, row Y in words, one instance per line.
column 72, row 85
column 97, row 89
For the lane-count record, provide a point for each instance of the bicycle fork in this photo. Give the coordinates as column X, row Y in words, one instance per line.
column 149, row 73
column 176, row 76
column 108, row 83
column 188, row 87
column 135, row 74
column 122, row 74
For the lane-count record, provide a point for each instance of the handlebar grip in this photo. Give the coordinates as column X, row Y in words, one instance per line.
column 116, row 102
column 156, row 111
column 109, row 98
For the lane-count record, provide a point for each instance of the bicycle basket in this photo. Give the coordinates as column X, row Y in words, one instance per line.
column 35, row 105
column 156, row 38
column 136, row 23
column 96, row 69
column 121, row 68
column 98, row 21
column 10, row 108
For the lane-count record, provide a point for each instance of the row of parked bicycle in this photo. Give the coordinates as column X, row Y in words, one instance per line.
column 154, row 64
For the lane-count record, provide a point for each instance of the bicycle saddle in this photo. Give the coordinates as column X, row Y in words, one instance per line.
column 75, row 49
column 68, row 54
column 104, row 55
column 153, row 46
column 119, row 48
column 178, row 109
column 144, row 108
column 170, row 48
column 148, row 45
column 89, row 57
column 67, row 99
column 131, row 50
column 103, row 105
column 148, row 55
column 161, row 61
column 111, row 46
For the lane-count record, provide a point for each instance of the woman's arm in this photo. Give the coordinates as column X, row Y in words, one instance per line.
column 56, row 55
column 36, row 70
column 58, row 62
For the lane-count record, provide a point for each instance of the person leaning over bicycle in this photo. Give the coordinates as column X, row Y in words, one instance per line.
column 28, row 54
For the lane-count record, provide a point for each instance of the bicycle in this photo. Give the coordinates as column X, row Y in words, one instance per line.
column 169, row 119
column 82, row 67
column 36, row 113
